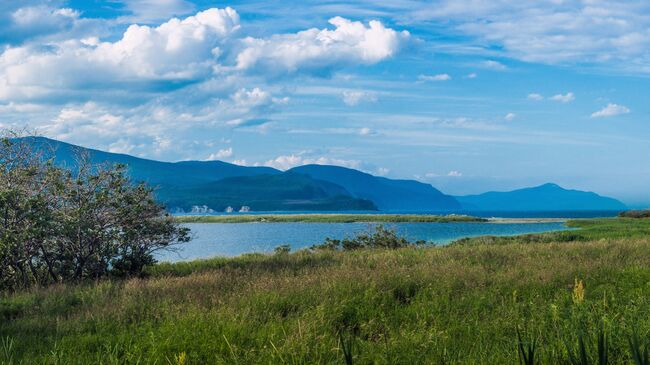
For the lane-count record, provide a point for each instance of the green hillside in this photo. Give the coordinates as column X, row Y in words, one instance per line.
column 264, row 193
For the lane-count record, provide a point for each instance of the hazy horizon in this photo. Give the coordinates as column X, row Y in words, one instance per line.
column 468, row 96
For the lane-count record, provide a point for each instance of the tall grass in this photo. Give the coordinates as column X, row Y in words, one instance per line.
column 453, row 305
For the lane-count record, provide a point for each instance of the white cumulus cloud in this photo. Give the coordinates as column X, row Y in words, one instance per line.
column 611, row 110
column 349, row 43
column 163, row 90
column 563, row 98
column 178, row 50
column 535, row 96
column 286, row 162
column 221, row 154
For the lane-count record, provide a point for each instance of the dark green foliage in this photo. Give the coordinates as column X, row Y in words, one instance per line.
column 381, row 238
column 586, row 230
column 638, row 350
column 526, row 350
column 282, row 249
column 603, row 348
column 635, row 214
column 6, row 351
column 578, row 356
column 60, row 225
column 346, row 342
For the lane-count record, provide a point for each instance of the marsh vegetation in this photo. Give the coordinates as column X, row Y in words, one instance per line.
column 483, row 301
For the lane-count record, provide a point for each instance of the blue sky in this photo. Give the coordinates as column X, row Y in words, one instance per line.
column 467, row 95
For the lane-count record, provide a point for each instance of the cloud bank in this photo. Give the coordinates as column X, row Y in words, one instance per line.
column 155, row 83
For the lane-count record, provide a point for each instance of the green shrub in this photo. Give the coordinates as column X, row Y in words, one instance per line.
column 635, row 214
column 381, row 237
column 86, row 222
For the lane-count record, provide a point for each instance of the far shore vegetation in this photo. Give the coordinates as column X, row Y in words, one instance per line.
column 328, row 218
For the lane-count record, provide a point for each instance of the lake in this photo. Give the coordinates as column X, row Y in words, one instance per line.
column 232, row 239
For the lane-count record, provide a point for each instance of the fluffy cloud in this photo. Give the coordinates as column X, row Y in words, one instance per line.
column 535, row 96
column 178, row 81
column 160, row 128
column 563, row 98
column 175, row 51
column 353, row 98
column 439, row 77
column 289, row 161
column 510, row 117
column 286, row 162
column 611, row 110
column 221, row 154
column 382, row 171
column 319, row 49
column 198, row 48
column 20, row 21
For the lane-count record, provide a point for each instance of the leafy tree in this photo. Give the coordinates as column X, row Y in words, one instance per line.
column 85, row 222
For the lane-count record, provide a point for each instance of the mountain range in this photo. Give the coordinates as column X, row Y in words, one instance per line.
column 218, row 185
column 546, row 197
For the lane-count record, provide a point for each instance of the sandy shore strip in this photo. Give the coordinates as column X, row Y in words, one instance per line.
column 528, row 220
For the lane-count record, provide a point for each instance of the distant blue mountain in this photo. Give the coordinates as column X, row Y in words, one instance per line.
column 218, row 185
column 387, row 194
column 152, row 172
column 278, row 192
column 547, row 197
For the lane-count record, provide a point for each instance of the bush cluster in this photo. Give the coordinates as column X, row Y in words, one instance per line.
column 635, row 214
column 71, row 224
column 381, row 237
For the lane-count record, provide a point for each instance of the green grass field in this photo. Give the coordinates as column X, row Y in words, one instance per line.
column 329, row 218
column 457, row 304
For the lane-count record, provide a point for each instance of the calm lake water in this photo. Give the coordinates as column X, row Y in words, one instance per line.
column 223, row 239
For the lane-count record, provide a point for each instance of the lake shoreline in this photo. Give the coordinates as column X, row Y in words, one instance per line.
column 359, row 218
column 497, row 220
column 329, row 218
